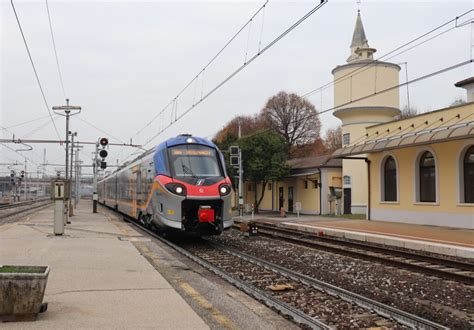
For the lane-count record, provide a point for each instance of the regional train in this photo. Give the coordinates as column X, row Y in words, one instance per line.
column 180, row 186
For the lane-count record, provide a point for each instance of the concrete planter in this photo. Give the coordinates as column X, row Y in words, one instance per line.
column 22, row 291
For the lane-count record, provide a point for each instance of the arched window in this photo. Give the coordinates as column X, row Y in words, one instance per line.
column 390, row 180
column 427, row 178
column 468, row 164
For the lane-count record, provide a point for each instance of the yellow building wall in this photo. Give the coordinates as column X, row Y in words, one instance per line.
column 266, row 203
column 309, row 198
column 447, row 211
column 249, row 197
column 351, row 85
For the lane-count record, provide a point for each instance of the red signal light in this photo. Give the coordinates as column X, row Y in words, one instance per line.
column 103, row 142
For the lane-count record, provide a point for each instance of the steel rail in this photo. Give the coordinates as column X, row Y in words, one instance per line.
column 19, row 204
column 7, row 215
column 381, row 309
column 331, row 244
column 297, row 315
column 300, row 317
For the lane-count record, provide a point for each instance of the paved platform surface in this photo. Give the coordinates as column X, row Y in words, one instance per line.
column 442, row 240
column 98, row 278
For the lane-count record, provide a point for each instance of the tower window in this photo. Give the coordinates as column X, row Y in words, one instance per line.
column 346, row 139
column 305, row 184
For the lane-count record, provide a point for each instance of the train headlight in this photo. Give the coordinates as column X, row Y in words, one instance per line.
column 224, row 189
column 176, row 188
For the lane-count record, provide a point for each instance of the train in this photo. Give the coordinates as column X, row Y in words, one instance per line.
column 181, row 186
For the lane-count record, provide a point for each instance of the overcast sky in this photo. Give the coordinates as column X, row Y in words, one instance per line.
column 123, row 61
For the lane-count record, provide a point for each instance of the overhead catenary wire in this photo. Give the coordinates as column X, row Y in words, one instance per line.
column 34, row 130
column 100, row 130
column 34, row 68
column 396, row 51
column 201, row 72
column 24, row 122
column 55, row 50
column 17, row 152
column 429, row 75
column 223, row 82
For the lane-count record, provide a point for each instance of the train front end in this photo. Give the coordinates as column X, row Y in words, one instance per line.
column 194, row 191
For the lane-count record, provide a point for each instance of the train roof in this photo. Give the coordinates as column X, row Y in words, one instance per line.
column 171, row 142
column 185, row 139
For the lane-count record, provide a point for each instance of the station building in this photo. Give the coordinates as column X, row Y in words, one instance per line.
column 417, row 170
column 311, row 183
column 420, row 169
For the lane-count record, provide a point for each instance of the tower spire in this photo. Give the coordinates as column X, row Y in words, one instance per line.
column 359, row 41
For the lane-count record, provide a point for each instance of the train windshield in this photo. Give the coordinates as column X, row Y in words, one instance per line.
column 194, row 161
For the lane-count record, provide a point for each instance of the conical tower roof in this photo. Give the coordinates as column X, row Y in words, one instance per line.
column 359, row 40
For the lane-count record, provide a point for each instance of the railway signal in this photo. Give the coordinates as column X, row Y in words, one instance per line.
column 104, row 142
column 103, row 153
column 234, row 156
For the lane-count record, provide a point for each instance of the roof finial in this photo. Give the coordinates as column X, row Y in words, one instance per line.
column 358, row 6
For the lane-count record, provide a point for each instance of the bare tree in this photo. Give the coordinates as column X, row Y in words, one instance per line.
column 458, row 101
column 407, row 113
column 333, row 139
column 248, row 125
column 293, row 117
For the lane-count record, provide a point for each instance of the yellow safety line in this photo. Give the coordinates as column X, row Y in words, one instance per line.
column 204, row 303
column 190, row 291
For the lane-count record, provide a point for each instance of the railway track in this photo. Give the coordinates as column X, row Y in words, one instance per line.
column 309, row 302
column 435, row 266
column 9, row 210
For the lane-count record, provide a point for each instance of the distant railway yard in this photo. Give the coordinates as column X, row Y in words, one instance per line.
column 13, row 212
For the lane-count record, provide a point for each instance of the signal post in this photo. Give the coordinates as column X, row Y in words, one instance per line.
column 68, row 111
column 102, row 153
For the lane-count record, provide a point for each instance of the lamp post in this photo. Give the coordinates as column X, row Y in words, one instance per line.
column 68, row 111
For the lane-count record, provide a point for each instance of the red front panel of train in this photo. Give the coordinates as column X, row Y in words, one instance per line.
column 206, row 215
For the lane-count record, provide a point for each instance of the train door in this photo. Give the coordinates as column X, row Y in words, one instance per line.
column 280, row 198
column 290, row 199
column 139, row 187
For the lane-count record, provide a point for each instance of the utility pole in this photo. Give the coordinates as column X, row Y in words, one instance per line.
column 71, row 209
column 44, row 163
column 67, row 109
column 26, row 186
column 77, row 186
column 241, row 178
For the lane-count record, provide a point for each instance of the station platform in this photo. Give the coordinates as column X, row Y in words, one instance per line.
column 98, row 279
column 440, row 240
